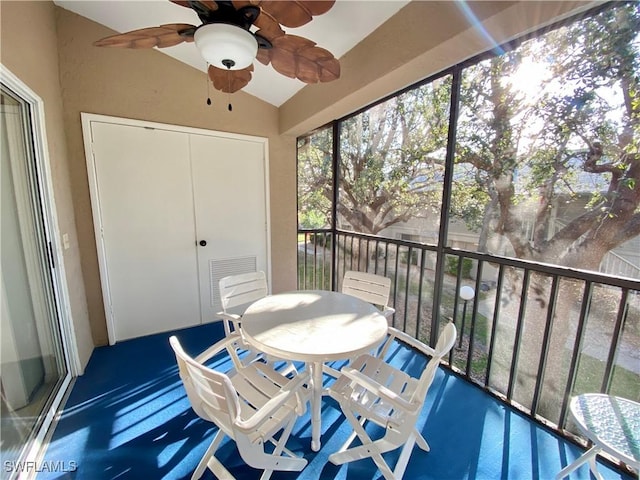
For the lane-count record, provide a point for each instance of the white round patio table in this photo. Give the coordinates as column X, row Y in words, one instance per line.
column 313, row 326
column 612, row 424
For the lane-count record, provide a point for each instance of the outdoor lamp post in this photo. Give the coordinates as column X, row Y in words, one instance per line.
column 466, row 293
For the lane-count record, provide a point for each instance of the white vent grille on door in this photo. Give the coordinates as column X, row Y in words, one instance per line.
column 221, row 268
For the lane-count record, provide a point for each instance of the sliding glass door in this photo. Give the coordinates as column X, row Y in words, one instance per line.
column 33, row 368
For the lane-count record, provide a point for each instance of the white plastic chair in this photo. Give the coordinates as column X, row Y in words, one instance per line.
column 369, row 287
column 369, row 389
column 237, row 292
column 249, row 403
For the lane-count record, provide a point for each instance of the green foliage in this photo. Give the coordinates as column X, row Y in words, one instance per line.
column 625, row 382
column 310, row 219
column 391, row 158
column 414, row 257
column 321, row 239
column 314, row 274
column 546, row 123
column 315, row 179
column 452, row 266
column 469, row 204
column 549, row 128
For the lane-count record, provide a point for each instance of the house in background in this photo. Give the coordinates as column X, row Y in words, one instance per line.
column 50, row 50
column 623, row 261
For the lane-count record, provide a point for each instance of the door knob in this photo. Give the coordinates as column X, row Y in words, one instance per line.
column 203, row 243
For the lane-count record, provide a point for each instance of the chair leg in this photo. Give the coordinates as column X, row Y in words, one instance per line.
column 219, row 470
column 270, row 462
column 280, row 447
column 403, row 460
column 422, row 443
column 593, row 465
column 351, row 438
column 368, row 449
column 345, row 454
column 588, row 456
column 208, row 455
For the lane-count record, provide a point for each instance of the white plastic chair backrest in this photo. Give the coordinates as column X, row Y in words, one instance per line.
column 242, row 289
column 211, row 393
column 446, row 340
column 369, row 287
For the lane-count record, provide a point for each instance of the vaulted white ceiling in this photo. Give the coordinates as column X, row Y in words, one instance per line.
column 339, row 30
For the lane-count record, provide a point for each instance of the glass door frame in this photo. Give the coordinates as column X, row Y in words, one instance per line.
column 41, row 163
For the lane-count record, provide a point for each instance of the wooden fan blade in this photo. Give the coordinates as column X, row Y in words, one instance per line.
column 161, row 37
column 268, row 27
column 290, row 13
column 317, row 7
column 317, row 65
column 295, row 13
column 184, row 30
column 328, row 70
column 208, row 4
column 299, row 57
column 230, row 81
column 263, row 56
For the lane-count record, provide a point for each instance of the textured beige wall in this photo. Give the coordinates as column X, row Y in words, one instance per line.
column 28, row 50
column 148, row 85
column 423, row 38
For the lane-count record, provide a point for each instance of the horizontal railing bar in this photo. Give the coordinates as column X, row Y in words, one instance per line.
column 511, row 262
column 549, row 269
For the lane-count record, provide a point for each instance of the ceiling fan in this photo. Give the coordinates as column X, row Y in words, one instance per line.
column 234, row 33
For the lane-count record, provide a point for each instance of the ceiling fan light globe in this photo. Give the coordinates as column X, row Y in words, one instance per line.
column 226, row 46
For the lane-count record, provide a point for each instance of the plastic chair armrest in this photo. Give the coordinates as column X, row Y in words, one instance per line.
column 232, row 317
column 378, row 389
column 224, row 344
column 229, row 319
column 394, row 333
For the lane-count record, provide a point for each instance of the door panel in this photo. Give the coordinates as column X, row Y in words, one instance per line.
column 146, row 208
column 23, row 301
column 230, row 210
column 35, row 370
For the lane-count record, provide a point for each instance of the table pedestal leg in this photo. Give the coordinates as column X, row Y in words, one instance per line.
column 316, row 404
column 589, row 456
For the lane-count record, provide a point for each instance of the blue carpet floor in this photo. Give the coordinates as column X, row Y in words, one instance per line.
column 128, row 417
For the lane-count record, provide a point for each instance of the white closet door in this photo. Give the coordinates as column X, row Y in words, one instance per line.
column 229, row 183
column 146, row 209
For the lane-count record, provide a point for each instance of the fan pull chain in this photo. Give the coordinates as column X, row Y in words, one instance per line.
column 229, row 92
column 208, row 91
